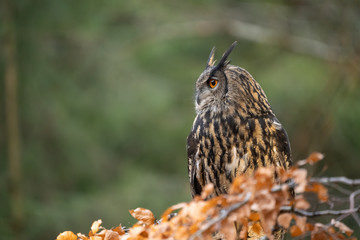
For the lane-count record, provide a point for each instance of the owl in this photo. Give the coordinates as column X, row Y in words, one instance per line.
column 235, row 130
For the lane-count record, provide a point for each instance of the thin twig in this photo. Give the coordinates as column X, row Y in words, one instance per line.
column 305, row 213
column 338, row 188
column 337, row 200
column 247, row 31
column 344, row 180
column 352, row 205
column 223, row 214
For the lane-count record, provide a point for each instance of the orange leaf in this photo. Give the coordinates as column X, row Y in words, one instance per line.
column 210, row 204
column 96, row 238
column 320, row 190
column 138, row 231
column 254, row 216
column 264, row 178
column 67, row 235
column 236, row 186
column 295, row 231
column 111, row 235
column 314, row 157
column 342, row 227
column 265, row 201
column 165, row 215
column 256, row 231
column 244, row 228
column 285, row 219
column 301, row 203
column 309, row 227
column 299, row 176
column 119, row 230
column 300, row 222
column 320, row 235
column 208, row 189
column 101, row 233
column 82, row 236
column 143, row 215
column 95, row 226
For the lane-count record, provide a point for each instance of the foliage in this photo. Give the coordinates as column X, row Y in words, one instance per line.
column 257, row 204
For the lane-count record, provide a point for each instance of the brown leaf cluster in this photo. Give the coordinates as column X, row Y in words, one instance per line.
column 256, row 204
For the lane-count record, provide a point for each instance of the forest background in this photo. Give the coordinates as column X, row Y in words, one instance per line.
column 105, row 98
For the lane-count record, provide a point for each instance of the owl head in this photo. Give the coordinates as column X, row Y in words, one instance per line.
column 224, row 87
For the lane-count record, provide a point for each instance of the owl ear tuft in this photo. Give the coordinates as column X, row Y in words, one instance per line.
column 211, row 60
column 223, row 61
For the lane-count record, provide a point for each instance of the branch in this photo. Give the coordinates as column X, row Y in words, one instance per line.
column 352, row 205
column 11, row 115
column 262, row 34
column 344, row 180
column 338, row 188
column 223, row 214
column 243, row 30
column 304, row 213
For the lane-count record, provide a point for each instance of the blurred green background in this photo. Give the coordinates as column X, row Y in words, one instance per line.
column 105, row 97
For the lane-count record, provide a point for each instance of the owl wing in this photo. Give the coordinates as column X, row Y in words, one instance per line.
column 192, row 148
column 282, row 144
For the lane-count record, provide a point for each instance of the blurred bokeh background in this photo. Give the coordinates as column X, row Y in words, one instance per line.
column 105, row 98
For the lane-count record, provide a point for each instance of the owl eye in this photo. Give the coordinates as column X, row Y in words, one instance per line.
column 212, row 82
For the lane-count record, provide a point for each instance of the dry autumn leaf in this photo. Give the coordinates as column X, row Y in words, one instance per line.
column 319, row 189
column 119, row 230
column 300, row 222
column 244, row 229
column 264, row 178
column 265, row 201
column 319, row 235
column 238, row 184
column 67, row 235
column 82, row 236
column 95, row 226
column 265, row 204
column 295, row 231
column 299, row 177
column 314, row 157
column 254, row 216
column 101, row 233
column 285, row 219
column 255, row 231
column 144, row 216
column 342, row 227
column 256, row 203
column 194, row 210
column 309, row 227
column 301, row 203
column 111, row 235
column 165, row 215
column 210, row 205
column 311, row 159
column 227, row 231
column 96, row 238
column 208, row 189
column 138, row 230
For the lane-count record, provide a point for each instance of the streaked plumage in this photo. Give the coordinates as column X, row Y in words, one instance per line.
column 235, row 130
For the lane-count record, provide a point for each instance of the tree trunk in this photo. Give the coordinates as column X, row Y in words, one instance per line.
column 11, row 117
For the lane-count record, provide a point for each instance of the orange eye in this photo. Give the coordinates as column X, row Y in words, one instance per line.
column 212, row 82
